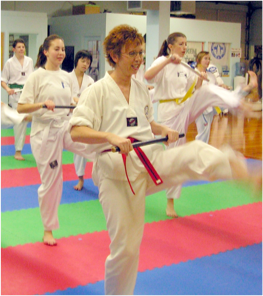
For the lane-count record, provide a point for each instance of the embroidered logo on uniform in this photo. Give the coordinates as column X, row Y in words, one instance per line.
column 23, row 73
column 212, row 69
column 53, row 164
column 132, row 121
column 146, row 111
column 181, row 74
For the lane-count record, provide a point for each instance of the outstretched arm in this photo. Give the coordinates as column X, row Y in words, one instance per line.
column 153, row 71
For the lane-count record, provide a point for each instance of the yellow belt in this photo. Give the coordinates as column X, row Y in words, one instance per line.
column 181, row 100
column 218, row 110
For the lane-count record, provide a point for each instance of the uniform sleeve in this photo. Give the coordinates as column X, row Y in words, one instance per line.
column 29, row 92
column 159, row 76
column 6, row 73
column 88, row 111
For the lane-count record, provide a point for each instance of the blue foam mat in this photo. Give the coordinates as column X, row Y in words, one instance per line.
column 9, row 150
column 221, row 274
column 18, row 198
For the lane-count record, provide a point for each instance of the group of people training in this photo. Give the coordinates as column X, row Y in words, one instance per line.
column 116, row 111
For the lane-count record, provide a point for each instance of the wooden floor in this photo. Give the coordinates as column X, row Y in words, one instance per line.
column 244, row 134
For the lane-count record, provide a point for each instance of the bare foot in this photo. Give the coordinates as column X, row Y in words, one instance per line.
column 18, row 156
column 170, row 211
column 48, row 238
column 253, row 81
column 80, row 184
column 237, row 162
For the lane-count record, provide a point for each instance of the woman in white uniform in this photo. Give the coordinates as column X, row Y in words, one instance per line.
column 111, row 112
column 14, row 75
column 49, row 86
column 174, row 85
column 81, row 81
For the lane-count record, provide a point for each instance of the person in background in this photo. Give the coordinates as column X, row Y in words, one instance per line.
column 47, row 87
column 81, row 81
column 181, row 97
column 115, row 111
column 14, row 75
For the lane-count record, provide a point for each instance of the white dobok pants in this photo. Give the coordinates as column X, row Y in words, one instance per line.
column 124, row 212
column 20, row 128
column 207, row 96
column 47, row 147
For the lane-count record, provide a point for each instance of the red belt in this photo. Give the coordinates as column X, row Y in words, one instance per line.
column 145, row 161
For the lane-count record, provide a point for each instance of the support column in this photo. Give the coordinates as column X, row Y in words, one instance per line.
column 157, row 30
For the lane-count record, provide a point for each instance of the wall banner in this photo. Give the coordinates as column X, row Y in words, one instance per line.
column 220, row 57
column 193, row 48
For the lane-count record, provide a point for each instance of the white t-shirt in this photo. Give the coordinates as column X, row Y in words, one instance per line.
column 45, row 85
column 173, row 81
column 103, row 107
column 14, row 73
column 76, row 90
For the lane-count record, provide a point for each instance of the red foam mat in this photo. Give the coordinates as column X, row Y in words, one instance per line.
column 79, row 260
column 20, row 177
column 11, row 140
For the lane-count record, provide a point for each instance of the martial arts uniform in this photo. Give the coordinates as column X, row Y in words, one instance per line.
column 171, row 86
column 49, row 136
column 204, row 121
column 79, row 161
column 103, row 107
column 15, row 76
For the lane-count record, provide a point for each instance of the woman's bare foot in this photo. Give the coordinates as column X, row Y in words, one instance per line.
column 170, row 211
column 237, row 162
column 18, row 156
column 48, row 238
column 253, row 82
column 80, row 184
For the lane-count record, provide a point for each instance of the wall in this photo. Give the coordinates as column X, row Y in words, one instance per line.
column 77, row 29
column 74, row 29
column 28, row 23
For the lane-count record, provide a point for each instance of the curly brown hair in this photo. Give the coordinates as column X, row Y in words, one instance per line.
column 122, row 35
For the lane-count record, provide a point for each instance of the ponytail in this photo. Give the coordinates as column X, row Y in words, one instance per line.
column 41, row 58
column 165, row 50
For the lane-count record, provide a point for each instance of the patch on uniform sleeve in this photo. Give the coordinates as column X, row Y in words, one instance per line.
column 212, row 70
column 146, row 111
column 53, row 164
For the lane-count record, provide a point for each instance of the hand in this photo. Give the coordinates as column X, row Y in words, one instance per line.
column 123, row 143
column 76, row 100
column 10, row 91
column 173, row 135
column 50, row 105
column 226, row 86
column 204, row 75
column 175, row 59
